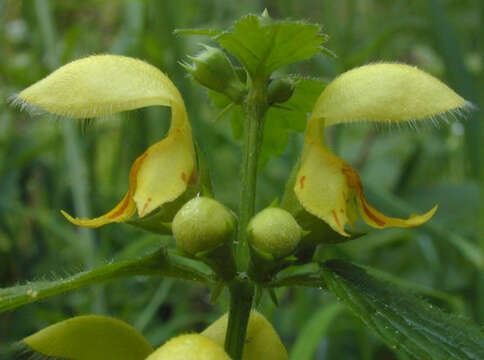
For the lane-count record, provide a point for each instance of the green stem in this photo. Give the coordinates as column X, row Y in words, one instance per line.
column 241, row 289
column 255, row 108
column 241, row 295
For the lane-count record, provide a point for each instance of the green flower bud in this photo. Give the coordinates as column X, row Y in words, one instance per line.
column 212, row 69
column 274, row 231
column 280, row 90
column 202, row 224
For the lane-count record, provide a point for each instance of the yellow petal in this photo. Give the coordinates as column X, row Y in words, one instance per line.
column 165, row 173
column 262, row 340
column 385, row 93
column 321, row 186
column 189, row 347
column 100, row 85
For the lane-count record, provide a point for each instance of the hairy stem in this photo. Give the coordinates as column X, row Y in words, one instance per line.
column 255, row 109
column 241, row 290
column 241, row 294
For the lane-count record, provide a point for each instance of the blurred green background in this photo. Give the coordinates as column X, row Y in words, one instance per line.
column 48, row 164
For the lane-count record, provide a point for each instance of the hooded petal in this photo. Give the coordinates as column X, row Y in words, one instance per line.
column 100, row 85
column 385, row 93
column 326, row 186
column 90, row 337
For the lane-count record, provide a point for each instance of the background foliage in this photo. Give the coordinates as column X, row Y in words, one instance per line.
column 47, row 164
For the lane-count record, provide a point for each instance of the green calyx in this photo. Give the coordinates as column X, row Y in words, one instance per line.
column 201, row 225
column 275, row 232
column 212, row 69
column 280, row 90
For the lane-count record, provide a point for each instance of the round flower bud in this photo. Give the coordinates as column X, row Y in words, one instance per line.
column 191, row 346
column 274, row 231
column 202, row 224
column 280, row 90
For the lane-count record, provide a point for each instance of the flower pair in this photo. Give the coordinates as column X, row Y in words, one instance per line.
column 326, row 186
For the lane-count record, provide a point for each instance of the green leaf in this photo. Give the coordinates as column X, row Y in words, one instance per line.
column 157, row 263
column 263, row 45
column 402, row 320
column 90, row 337
column 456, row 303
column 313, row 331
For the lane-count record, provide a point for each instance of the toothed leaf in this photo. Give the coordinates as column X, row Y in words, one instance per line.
column 405, row 322
column 263, row 45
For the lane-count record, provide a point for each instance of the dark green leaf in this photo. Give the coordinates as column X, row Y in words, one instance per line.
column 402, row 320
column 263, row 46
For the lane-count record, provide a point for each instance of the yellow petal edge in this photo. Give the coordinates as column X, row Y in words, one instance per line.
column 105, row 84
column 189, row 347
column 90, row 337
column 262, row 340
column 385, row 92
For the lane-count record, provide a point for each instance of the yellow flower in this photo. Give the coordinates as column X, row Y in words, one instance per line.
column 105, row 84
column 189, row 347
column 326, row 186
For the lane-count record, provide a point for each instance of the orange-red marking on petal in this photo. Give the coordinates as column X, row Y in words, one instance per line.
column 193, row 178
column 184, row 176
column 336, row 218
column 301, row 181
column 147, row 203
column 121, row 209
column 370, row 214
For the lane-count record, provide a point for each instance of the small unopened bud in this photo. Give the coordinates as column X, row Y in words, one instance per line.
column 274, row 231
column 280, row 90
column 202, row 224
column 212, row 69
